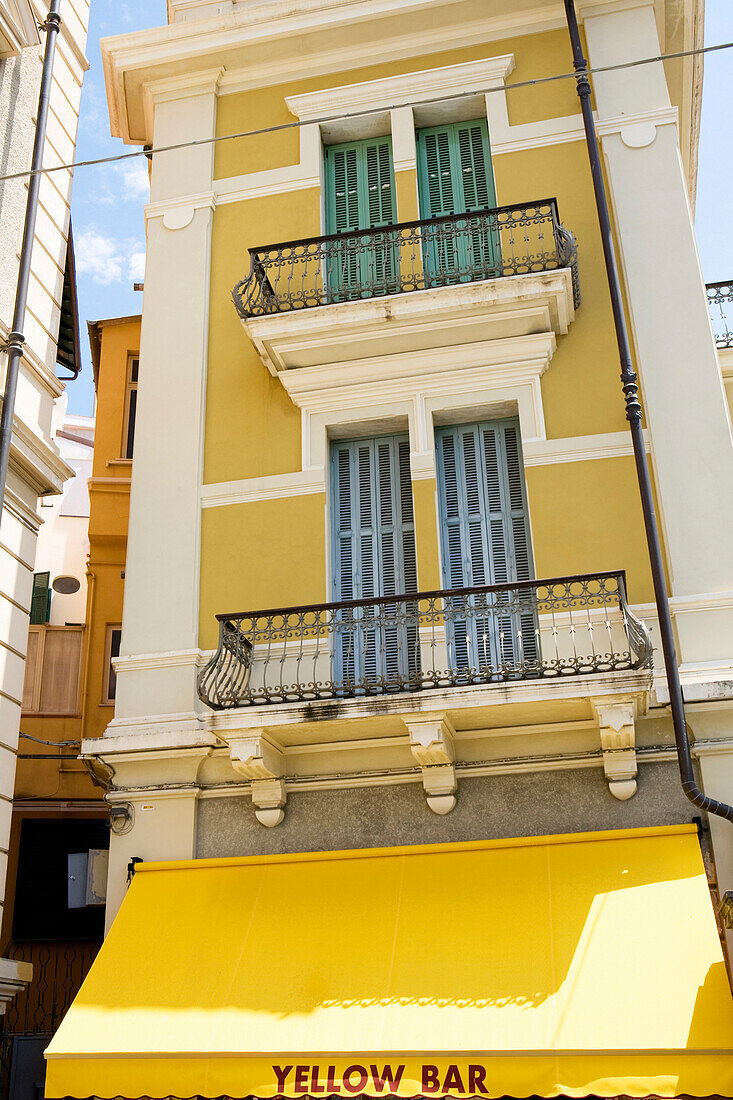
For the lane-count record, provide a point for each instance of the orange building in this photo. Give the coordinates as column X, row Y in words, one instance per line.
column 54, row 913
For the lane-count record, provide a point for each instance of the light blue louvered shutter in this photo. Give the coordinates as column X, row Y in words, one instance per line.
column 374, row 555
column 455, row 176
column 485, row 540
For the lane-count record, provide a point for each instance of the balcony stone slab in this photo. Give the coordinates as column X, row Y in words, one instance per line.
column 435, row 737
column 419, row 321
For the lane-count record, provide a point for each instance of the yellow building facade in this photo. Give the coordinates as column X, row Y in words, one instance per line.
column 389, row 674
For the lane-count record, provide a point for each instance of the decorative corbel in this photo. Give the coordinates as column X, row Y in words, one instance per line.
column 431, row 744
column 618, row 742
column 256, row 758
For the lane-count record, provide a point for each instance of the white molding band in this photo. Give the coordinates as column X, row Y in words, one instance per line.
column 178, row 213
column 312, row 479
column 274, row 487
column 579, row 448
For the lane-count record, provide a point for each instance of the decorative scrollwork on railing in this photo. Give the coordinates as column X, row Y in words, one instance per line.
column 720, row 304
column 396, row 259
column 413, row 642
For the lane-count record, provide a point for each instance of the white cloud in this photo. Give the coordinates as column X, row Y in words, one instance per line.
column 136, row 180
column 107, row 260
column 98, row 257
column 136, row 267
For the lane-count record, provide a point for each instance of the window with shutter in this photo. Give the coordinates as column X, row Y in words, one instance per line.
column 373, row 555
column 485, row 540
column 360, row 194
column 40, row 599
column 455, row 177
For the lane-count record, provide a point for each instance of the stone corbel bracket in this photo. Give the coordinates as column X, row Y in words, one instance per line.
column 257, row 759
column 431, row 744
column 617, row 727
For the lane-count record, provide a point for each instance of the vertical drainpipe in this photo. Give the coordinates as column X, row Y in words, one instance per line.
column 633, row 415
column 16, row 339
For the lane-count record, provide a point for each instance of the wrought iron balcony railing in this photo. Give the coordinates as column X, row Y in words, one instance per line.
column 720, row 304
column 395, row 259
column 493, row 634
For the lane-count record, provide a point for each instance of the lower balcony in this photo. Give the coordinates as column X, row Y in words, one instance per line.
column 422, row 642
column 430, row 686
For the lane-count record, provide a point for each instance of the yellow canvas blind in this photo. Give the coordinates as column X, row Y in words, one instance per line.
column 584, row 964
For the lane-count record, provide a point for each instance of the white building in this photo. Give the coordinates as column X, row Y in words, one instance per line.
column 36, row 468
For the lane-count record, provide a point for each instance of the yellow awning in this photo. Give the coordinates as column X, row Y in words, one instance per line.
column 576, row 965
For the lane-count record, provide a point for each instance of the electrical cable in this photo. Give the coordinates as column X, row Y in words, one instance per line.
column 41, row 741
column 150, row 151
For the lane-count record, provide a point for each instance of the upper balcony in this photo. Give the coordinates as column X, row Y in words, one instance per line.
column 720, row 302
column 492, row 274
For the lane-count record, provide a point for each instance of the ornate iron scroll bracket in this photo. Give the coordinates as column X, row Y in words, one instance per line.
column 431, row 743
column 261, row 762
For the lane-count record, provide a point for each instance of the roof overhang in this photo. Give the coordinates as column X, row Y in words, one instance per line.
column 18, row 27
column 267, row 42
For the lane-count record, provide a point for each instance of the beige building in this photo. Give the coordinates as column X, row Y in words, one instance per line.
column 51, row 335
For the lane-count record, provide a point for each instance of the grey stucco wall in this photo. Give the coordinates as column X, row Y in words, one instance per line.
column 20, row 79
column 532, row 804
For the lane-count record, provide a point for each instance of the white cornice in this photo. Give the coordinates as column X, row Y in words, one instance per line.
column 312, row 479
column 178, row 213
column 407, row 89
column 268, row 43
column 581, row 448
column 16, row 507
column 18, row 27
column 183, row 658
column 36, row 461
column 246, row 491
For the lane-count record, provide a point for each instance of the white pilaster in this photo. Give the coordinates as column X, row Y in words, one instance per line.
column 161, row 587
column 684, row 402
column 160, row 823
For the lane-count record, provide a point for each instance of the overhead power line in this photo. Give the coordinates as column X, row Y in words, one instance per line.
column 533, row 83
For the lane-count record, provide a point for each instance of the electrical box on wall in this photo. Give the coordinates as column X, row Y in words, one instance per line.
column 87, row 881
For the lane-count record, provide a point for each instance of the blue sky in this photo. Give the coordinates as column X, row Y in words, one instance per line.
column 107, row 204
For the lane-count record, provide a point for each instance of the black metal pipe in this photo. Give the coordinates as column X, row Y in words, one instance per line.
column 633, row 415
column 16, row 339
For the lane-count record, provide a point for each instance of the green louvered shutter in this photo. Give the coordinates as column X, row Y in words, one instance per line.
column 360, row 194
column 455, row 177
column 40, row 599
column 374, row 555
column 485, row 540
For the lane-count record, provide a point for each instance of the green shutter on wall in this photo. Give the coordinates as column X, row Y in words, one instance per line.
column 485, row 537
column 455, row 176
column 360, row 194
column 359, row 185
column 40, row 599
column 454, row 169
column 373, row 555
